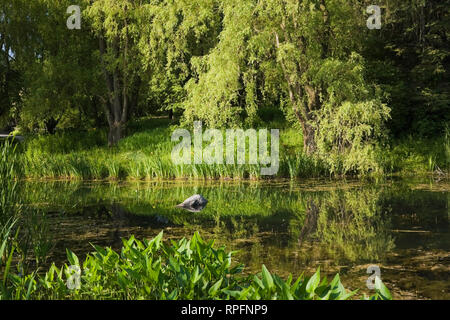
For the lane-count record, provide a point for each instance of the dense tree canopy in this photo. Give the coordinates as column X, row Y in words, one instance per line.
column 224, row 62
column 410, row 60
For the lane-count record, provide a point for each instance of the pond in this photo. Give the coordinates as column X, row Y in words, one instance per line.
column 401, row 226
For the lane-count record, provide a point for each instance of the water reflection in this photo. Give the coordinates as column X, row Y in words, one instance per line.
column 353, row 225
column 289, row 226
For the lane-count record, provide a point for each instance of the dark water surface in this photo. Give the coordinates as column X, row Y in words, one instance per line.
column 402, row 226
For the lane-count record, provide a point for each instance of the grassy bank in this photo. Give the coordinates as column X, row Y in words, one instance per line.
column 146, row 154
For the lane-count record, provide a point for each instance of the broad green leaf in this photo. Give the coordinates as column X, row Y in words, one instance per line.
column 258, row 282
column 267, row 278
column 313, row 282
column 73, row 259
column 196, row 275
column 347, row 295
column 335, row 282
column 382, row 289
column 157, row 240
column 233, row 293
column 213, row 290
column 173, row 295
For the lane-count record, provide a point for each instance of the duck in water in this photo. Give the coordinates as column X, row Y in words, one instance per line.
column 196, row 203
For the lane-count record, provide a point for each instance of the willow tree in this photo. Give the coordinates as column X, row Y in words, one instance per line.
column 317, row 49
column 310, row 51
column 172, row 34
column 114, row 22
column 148, row 44
column 213, row 91
column 49, row 70
column 19, row 40
column 62, row 76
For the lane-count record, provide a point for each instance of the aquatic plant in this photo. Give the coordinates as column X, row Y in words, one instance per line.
column 186, row 269
column 6, row 253
column 23, row 231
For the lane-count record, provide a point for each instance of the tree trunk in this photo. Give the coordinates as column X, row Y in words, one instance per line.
column 114, row 134
column 50, row 125
column 116, row 107
column 309, row 139
column 303, row 111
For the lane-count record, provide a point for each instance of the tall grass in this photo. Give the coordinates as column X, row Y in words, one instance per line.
column 7, row 248
column 9, row 172
column 22, row 231
column 145, row 154
column 8, row 212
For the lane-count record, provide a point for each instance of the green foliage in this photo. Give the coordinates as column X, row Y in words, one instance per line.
column 146, row 154
column 9, row 172
column 213, row 95
column 228, row 63
column 187, row 269
column 412, row 155
column 311, row 55
column 410, row 60
column 58, row 73
column 178, row 31
column 21, row 230
column 350, row 125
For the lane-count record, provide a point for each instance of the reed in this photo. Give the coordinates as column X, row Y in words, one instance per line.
column 145, row 154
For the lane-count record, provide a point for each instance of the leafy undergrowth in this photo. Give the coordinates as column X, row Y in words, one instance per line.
column 187, row 269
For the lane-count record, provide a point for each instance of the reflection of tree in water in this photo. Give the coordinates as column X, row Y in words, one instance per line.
column 349, row 224
column 34, row 240
column 119, row 214
column 310, row 223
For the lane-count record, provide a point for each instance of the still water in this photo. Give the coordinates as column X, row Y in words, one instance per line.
column 402, row 226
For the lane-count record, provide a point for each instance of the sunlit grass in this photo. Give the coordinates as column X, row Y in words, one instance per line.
column 145, row 154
